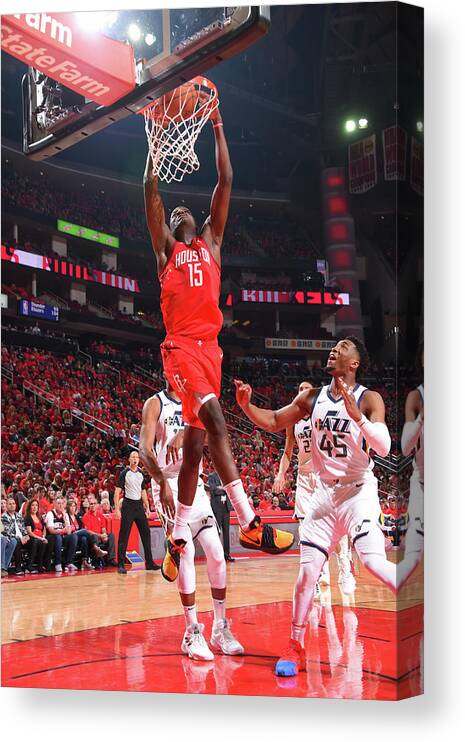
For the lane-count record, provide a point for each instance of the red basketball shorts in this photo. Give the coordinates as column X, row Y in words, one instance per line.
column 193, row 368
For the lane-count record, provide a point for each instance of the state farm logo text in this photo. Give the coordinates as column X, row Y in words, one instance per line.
column 49, row 26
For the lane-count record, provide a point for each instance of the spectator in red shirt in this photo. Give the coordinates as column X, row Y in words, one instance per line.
column 95, row 522
column 47, row 501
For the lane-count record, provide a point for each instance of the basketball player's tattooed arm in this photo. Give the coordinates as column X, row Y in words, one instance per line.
column 150, row 415
column 413, row 421
column 162, row 239
column 278, row 484
column 370, row 416
column 274, row 420
column 213, row 229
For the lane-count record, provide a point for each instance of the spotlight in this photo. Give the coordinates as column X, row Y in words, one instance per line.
column 150, row 39
column 134, row 32
column 420, row 126
column 363, row 123
column 350, row 125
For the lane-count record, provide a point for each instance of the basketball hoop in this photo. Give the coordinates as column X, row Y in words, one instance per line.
column 173, row 124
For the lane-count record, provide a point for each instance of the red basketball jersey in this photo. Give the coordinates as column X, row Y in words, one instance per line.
column 190, row 292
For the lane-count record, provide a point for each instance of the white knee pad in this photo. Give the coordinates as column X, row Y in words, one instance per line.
column 186, row 576
column 216, row 566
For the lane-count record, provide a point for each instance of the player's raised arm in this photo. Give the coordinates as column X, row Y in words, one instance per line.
column 215, row 223
column 274, row 420
column 155, row 213
column 413, row 422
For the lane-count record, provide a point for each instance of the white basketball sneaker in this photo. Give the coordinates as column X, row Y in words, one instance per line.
column 223, row 639
column 346, row 579
column 194, row 645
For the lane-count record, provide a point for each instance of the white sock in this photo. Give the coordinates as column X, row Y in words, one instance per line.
column 219, row 610
column 181, row 521
column 190, row 614
column 240, row 503
column 298, row 633
column 311, row 563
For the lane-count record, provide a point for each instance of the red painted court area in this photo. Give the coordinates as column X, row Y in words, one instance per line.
column 351, row 653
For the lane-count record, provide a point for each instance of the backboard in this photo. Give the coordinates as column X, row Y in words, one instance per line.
column 170, row 48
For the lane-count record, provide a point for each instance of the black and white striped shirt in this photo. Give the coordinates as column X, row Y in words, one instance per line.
column 132, row 483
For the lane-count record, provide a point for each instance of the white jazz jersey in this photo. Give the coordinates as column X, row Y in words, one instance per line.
column 169, row 424
column 419, row 459
column 339, row 450
column 303, row 437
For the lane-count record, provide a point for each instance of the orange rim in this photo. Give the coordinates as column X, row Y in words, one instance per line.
column 198, row 82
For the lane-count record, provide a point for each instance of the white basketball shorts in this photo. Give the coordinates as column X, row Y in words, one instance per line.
column 350, row 508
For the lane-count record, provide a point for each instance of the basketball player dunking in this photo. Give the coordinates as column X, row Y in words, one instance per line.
column 347, row 420
column 188, row 262
column 300, row 434
column 162, row 425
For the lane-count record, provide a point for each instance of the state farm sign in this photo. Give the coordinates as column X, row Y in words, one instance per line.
column 96, row 67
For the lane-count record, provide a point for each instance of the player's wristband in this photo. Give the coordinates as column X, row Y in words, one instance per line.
column 376, row 435
column 215, row 126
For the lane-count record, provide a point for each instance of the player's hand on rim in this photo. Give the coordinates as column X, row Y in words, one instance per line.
column 349, row 399
column 243, row 393
column 215, row 116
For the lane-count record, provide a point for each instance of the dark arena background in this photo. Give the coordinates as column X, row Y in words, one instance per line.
column 324, row 240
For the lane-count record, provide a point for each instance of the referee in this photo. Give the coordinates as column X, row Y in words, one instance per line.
column 132, row 507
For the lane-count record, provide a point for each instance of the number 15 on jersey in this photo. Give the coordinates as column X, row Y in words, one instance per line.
column 195, row 274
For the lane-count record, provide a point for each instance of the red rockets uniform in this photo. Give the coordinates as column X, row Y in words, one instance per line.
column 190, row 292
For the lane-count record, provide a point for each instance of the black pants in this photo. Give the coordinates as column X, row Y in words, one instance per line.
column 17, row 557
column 36, row 552
column 132, row 511
column 108, row 546
column 223, row 518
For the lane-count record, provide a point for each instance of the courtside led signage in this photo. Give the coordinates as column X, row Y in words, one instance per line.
column 87, row 234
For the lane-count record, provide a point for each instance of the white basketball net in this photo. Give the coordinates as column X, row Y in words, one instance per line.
column 173, row 124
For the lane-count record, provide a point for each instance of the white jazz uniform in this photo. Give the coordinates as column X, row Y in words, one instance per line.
column 169, row 423
column 414, row 537
column 345, row 500
column 305, row 484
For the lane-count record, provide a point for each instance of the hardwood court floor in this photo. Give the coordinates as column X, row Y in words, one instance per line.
column 106, row 631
